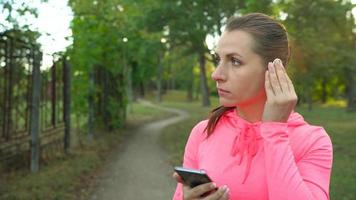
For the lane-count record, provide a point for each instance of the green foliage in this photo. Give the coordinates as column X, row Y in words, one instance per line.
column 323, row 41
column 98, row 48
column 320, row 32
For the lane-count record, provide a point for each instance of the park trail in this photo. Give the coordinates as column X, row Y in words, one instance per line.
column 140, row 170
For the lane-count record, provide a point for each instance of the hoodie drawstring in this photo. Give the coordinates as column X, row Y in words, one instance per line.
column 245, row 142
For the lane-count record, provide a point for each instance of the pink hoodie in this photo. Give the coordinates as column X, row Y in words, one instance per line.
column 262, row 160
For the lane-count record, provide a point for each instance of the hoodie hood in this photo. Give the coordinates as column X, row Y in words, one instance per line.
column 245, row 144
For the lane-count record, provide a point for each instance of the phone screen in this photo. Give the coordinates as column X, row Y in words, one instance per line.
column 192, row 177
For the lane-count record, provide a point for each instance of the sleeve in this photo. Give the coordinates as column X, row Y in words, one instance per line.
column 309, row 177
column 190, row 155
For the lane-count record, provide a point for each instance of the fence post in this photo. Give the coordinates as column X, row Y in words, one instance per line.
column 9, row 73
column 91, row 105
column 35, row 108
column 66, row 102
column 54, row 94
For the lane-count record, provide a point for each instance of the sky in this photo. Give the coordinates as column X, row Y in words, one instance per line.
column 54, row 18
column 54, row 23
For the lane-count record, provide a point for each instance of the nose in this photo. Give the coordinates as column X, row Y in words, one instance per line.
column 218, row 74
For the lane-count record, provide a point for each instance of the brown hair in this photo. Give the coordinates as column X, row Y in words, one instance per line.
column 270, row 42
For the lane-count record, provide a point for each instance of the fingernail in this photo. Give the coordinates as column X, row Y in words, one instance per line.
column 213, row 185
column 227, row 192
column 281, row 63
column 269, row 66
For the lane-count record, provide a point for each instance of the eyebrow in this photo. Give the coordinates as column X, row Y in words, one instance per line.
column 229, row 54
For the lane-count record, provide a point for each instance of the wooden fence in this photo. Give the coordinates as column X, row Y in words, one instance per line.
column 34, row 105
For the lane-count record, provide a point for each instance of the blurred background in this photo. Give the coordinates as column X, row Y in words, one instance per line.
column 76, row 76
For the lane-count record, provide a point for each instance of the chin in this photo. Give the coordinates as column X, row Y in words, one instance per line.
column 227, row 103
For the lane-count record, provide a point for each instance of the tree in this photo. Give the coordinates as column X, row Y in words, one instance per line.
column 187, row 23
column 97, row 54
column 319, row 32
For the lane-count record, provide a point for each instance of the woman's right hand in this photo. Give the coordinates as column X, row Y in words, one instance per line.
column 221, row 193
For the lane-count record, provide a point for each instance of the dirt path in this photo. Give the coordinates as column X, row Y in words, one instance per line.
column 140, row 171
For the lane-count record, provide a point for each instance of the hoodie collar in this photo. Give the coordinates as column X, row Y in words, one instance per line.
column 245, row 143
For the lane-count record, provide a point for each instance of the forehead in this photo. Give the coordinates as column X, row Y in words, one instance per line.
column 231, row 42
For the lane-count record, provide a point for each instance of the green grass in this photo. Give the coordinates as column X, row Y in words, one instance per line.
column 71, row 176
column 340, row 125
column 139, row 113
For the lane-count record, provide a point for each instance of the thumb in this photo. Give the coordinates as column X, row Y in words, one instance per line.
column 177, row 178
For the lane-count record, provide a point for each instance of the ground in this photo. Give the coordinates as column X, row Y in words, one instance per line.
column 140, row 170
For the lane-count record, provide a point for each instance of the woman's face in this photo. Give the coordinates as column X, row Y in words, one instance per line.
column 240, row 73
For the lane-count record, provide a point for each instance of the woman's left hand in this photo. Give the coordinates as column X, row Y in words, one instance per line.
column 281, row 96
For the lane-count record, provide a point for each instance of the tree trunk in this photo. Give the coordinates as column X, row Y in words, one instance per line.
column 159, row 79
column 173, row 84
column 66, row 103
column 324, row 92
column 91, row 105
column 128, row 74
column 105, row 83
column 351, row 90
column 128, row 83
column 142, row 89
column 203, row 82
column 309, row 100
column 190, row 84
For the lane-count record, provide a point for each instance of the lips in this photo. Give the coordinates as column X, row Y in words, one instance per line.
column 223, row 92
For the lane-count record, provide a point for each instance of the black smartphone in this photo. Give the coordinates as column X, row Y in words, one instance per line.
column 192, row 177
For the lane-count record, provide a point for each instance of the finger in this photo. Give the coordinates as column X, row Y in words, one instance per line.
column 226, row 195
column 290, row 84
column 273, row 79
column 289, row 81
column 188, row 194
column 268, row 87
column 277, row 71
column 281, row 75
column 203, row 188
column 219, row 194
column 177, row 178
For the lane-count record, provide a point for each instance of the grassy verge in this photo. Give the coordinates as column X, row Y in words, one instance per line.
column 71, row 176
column 340, row 125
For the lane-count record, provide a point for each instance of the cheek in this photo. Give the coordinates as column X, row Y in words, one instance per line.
column 250, row 79
column 253, row 83
column 261, row 79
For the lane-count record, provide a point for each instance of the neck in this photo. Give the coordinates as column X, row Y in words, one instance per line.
column 252, row 111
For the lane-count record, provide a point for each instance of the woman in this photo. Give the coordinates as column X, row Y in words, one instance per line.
column 254, row 146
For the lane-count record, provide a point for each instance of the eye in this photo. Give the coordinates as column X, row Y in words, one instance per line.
column 216, row 60
column 235, row 61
